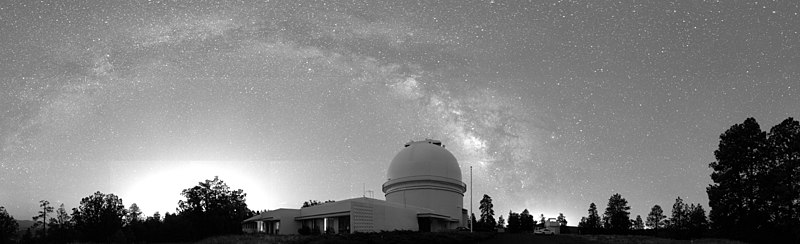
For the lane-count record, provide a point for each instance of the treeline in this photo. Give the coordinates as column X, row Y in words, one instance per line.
column 210, row 208
column 756, row 190
column 517, row 222
column 686, row 220
column 755, row 195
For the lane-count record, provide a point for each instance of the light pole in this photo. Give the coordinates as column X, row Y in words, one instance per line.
column 470, row 201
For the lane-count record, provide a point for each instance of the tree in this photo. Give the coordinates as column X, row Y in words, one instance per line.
column 583, row 223
column 638, row 224
column 593, row 220
column 134, row 214
column 99, row 217
column 155, row 218
column 310, row 203
column 561, row 219
column 41, row 218
column 214, row 208
column 655, row 220
column 8, row 226
column 62, row 218
column 740, row 157
column 526, row 222
column 487, row 221
column 757, row 181
column 514, row 222
column 617, row 217
column 501, row 223
column 781, row 184
column 60, row 225
column 542, row 221
column 697, row 218
column 680, row 215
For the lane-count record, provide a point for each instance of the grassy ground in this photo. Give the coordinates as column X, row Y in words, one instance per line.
column 648, row 239
column 451, row 237
column 398, row 237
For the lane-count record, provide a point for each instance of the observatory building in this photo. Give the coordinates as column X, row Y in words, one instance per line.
column 424, row 192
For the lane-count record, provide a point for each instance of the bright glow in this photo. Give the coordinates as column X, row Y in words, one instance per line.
column 159, row 190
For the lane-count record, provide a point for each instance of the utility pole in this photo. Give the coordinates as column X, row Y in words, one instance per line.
column 471, row 225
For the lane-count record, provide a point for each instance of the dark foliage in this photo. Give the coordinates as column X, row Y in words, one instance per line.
column 310, row 203
column 591, row 223
column 526, row 222
column 211, row 208
column 687, row 221
column 655, row 220
column 756, row 190
column 637, row 224
column 514, row 222
column 60, row 226
column 8, row 226
column 501, row 222
column 487, row 222
column 617, row 215
column 99, row 217
column 41, row 218
column 562, row 220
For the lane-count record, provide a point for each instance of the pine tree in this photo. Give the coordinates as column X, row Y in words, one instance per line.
column 617, row 216
column 593, row 220
column 638, row 224
column 655, row 220
column 41, row 219
column 487, row 221
column 501, row 223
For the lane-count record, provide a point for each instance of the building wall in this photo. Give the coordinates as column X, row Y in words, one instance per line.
column 441, row 201
column 287, row 224
column 389, row 218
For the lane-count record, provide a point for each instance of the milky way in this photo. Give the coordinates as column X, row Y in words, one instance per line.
column 554, row 104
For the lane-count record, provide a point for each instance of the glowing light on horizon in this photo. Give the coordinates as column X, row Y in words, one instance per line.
column 160, row 189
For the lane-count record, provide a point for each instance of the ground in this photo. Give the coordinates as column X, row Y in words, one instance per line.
column 451, row 237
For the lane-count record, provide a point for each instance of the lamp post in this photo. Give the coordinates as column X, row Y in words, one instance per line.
column 471, row 225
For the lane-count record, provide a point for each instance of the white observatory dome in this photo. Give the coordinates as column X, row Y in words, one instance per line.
column 424, row 158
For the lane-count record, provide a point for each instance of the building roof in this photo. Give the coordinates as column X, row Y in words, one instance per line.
column 424, row 158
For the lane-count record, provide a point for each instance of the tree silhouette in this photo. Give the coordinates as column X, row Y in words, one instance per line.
column 526, row 221
column 680, row 215
column 214, row 208
column 8, row 226
column 757, row 181
column 62, row 218
column 514, row 222
column 99, row 217
column 562, row 221
column 310, row 203
column 41, row 219
column 593, row 220
column 655, row 219
column 60, row 225
column 134, row 214
column 542, row 221
column 698, row 223
column 487, row 221
column 501, row 223
column 638, row 224
column 617, row 217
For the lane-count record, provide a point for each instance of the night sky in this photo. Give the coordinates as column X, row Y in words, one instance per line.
column 554, row 104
